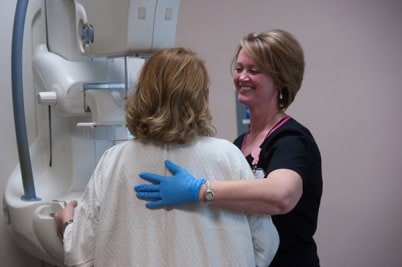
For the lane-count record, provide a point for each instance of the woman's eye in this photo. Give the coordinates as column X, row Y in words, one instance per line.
column 255, row 71
column 252, row 71
column 238, row 69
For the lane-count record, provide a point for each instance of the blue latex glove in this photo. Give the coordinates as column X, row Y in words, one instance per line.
column 181, row 188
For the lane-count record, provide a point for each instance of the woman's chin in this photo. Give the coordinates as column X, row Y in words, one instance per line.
column 243, row 98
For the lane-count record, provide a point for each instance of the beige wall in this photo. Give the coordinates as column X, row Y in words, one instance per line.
column 351, row 100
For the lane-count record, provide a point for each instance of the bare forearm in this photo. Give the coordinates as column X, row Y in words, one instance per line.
column 277, row 194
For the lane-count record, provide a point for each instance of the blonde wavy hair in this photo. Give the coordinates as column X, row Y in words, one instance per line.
column 170, row 100
column 279, row 55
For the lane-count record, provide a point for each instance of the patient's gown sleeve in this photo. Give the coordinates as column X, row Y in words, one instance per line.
column 80, row 236
column 263, row 231
column 265, row 238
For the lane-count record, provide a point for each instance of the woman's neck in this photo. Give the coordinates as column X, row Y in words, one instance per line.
column 264, row 121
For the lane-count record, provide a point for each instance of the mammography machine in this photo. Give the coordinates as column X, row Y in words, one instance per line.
column 80, row 59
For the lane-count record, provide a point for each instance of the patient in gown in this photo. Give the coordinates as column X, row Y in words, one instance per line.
column 169, row 117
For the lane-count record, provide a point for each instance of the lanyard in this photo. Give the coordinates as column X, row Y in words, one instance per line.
column 255, row 153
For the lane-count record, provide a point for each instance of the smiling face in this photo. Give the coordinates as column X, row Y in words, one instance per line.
column 254, row 88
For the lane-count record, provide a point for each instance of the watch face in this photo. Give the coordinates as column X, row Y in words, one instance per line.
column 209, row 195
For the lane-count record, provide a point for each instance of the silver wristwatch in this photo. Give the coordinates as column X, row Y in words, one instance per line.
column 209, row 195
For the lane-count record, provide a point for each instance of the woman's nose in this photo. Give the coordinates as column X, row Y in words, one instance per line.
column 244, row 76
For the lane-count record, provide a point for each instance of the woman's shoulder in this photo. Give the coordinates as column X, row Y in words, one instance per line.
column 219, row 148
column 119, row 147
column 294, row 124
column 218, row 143
column 293, row 128
column 225, row 156
column 292, row 135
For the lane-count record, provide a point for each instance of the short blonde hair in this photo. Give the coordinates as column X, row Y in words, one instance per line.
column 170, row 101
column 280, row 56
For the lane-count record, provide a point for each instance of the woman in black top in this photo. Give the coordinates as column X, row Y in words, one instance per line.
column 291, row 146
column 268, row 71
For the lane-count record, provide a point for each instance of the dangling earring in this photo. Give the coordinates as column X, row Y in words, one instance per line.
column 280, row 98
column 280, row 95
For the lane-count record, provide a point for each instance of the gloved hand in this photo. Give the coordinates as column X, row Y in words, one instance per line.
column 181, row 188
